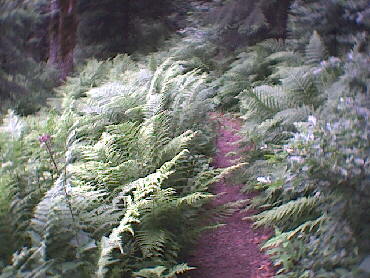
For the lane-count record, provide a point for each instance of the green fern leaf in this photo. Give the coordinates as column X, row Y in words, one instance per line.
column 315, row 50
column 287, row 213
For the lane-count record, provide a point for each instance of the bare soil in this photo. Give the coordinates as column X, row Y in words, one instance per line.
column 233, row 250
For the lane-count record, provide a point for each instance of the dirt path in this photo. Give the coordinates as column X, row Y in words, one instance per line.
column 231, row 251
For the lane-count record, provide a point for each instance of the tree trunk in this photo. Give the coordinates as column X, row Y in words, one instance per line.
column 62, row 35
column 277, row 16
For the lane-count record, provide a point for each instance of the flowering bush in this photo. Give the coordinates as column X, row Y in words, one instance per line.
column 321, row 211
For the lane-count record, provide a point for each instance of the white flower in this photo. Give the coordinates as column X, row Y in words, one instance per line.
column 317, row 71
column 288, row 149
column 7, row 164
column 296, row 158
column 359, row 18
column 264, row 179
column 334, row 60
column 144, row 74
column 312, row 120
column 359, row 161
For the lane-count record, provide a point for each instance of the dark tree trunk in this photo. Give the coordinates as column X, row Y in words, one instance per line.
column 62, row 35
column 277, row 16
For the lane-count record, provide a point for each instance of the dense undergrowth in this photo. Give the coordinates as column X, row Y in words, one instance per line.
column 311, row 163
column 112, row 181
column 117, row 184
column 307, row 113
column 25, row 80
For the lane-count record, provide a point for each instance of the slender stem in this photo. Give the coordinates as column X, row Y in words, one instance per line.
column 64, row 186
column 68, row 201
column 51, row 157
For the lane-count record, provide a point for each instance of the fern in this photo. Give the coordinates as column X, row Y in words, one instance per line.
column 266, row 100
column 246, row 71
column 325, row 17
column 125, row 173
column 305, row 228
column 183, row 94
column 315, row 50
column 301, row 86
column 294, row 211
column 60, row 226
column 147, row 211
column 298, row 146
column 162, row 272
column 13, row 125
column 173, row 147
column 293, row 115
column 27, row 263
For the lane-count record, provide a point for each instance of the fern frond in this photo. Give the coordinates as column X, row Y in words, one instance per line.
column 155, row 104
column 162, row 79
column 287, row 213
column 175, row 146
column 152, row 242
column 263, row 101
column 306, row 227
column 12, row 125
column 162, row 272
column 285, row 58
column 155, row 272
column 178, row 269
column 193, row 199
column 204, row 179
column 27, row 263
column 315, row 50
column 144, row 193
column 292, row 115
column 300, row 86
column 119, row 65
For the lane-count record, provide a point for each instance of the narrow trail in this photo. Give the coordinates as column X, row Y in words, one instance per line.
column 231, row 251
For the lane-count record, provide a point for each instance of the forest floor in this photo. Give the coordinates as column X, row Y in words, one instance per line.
column 233, row 250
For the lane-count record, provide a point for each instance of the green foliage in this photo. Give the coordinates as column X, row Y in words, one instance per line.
column 250, row 68
column 127, row 162
column 24, row 82
column 238, row 23
column 315, row 50
column 145, row 225
column 292, row 212
column 336, row 21
column 196, row 51
column 291, row 91
column 26, row 174
column 161, row 271
column 314, row 185
column 109, row 27
column 131, row 142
